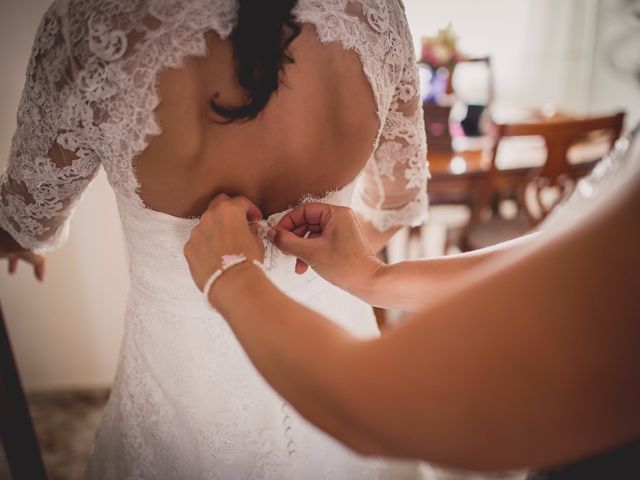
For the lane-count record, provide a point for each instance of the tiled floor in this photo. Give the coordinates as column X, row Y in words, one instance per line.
column 65, row 423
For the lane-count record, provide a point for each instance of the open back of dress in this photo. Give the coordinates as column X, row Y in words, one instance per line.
column 186, row 401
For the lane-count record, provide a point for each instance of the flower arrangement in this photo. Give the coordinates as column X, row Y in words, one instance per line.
column 441, row 50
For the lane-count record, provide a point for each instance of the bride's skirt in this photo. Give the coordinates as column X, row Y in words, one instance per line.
column 188, row 404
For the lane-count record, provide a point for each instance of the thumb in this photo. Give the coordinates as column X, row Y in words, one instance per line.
column 291, row 243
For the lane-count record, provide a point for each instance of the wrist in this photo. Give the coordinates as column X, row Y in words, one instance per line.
column 235, row 284
column 369, row 279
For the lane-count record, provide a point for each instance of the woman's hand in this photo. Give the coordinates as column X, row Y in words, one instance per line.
column 224, row 229
column 330, row 240
column 12, row 251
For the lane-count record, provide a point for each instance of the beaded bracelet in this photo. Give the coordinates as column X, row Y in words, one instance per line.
column 228, row 262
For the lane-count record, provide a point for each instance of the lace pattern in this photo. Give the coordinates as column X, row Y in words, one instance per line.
column 90, row 97
column 52, row 157
column 392, row 190
column 186, row 401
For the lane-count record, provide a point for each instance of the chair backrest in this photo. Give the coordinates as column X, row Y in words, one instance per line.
column 559, row 134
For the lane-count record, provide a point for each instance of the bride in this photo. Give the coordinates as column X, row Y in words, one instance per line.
column 282, row 102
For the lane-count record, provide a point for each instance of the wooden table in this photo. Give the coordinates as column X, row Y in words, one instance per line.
column 456, row 175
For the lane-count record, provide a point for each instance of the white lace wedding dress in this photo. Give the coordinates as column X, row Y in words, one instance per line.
column 186, row 402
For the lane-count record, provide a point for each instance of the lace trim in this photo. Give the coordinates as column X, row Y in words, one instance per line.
column 26, row 233
column 91, row 94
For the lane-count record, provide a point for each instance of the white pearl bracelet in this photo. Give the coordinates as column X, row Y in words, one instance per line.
column 228, row 262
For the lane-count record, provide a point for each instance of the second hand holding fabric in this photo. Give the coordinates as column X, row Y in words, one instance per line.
column 330, row 240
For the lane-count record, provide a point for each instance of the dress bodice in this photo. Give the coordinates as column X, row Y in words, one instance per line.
column 155, row 243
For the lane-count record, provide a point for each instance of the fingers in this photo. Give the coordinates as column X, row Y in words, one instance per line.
column 38, row 262
column 256, row 229
column 218, row 199
column 290, row 243
column 39, row 269
column 309, row 215
column 253, row 213
column 301, row 267
column 307, row 230
column 13, row 265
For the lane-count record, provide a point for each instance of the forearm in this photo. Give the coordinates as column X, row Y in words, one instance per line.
column 413, row 285
column 427, row 389
column 303, row 355
column 522, row 363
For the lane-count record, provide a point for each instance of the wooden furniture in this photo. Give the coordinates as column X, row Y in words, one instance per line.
column 535, row 191
column 18, row 437
column 436, row 124
column 455, row 176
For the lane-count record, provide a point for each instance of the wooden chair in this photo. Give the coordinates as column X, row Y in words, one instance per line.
column 18, row 438
column 531, row 188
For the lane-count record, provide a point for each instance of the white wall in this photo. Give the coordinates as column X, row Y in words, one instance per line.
column 614, row 87
column 534, row 44
column 544, row 51
column 65, row 332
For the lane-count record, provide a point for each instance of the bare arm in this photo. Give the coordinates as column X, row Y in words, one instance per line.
column 415, row 284
column 343, row 256
column 534, row 359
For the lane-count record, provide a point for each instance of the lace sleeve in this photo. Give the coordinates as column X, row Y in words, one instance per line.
column 392, row 190
column 49, row 164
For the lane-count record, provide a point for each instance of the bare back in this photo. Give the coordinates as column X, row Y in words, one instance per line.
column 127, row 87
column 316, row 133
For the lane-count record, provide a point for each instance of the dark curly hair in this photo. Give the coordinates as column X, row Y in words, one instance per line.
column 264, row 31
